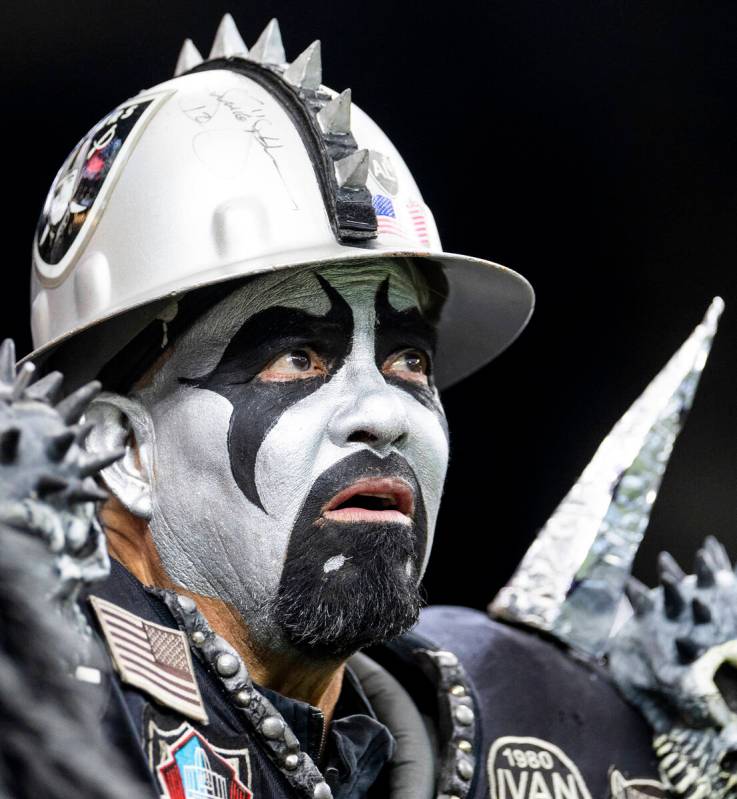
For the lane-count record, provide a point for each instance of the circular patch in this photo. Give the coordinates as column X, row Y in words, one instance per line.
column 78, row 192
column 530, row 768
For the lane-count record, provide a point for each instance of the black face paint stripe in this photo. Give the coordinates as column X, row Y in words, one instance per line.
column 408, row 329
column 257, row 404
column 369, row 589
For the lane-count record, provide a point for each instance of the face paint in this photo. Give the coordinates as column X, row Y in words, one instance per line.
column 245, row 466
column 368, row 593
column 257, row 404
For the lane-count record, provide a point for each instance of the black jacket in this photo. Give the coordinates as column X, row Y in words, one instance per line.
column 512, row 717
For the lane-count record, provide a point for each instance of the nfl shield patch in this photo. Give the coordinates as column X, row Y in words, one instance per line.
column 195, row 770
column 188, row 765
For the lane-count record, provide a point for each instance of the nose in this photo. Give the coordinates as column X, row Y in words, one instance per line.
column 371, row 414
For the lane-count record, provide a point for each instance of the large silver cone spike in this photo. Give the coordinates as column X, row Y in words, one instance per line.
column 571, row 581
column 352, row 171
column 189, row 56
column 305, row 72
column 335, row 117
column 228, row 41
column 269, row 48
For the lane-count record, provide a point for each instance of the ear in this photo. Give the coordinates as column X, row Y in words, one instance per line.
column 121, row 422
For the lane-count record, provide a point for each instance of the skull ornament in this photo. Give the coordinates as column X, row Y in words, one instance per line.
column 676, row 660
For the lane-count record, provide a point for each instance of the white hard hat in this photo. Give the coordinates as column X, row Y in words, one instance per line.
column 239, row 165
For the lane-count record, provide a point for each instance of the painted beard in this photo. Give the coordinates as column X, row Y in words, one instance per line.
column 246, row 466
column 349, row 584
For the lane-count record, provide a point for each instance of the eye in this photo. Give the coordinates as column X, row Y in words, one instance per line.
column 409, row 365
column 297, row 364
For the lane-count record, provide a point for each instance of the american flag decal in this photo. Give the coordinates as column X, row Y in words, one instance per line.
column 151, row 657
column 386, row 218
column 419, row 221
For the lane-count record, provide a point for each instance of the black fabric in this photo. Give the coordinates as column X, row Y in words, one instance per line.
column 357, row 749
column 523, row 687
column 529, row 687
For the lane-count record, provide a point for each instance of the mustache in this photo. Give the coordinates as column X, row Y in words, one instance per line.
column 363, row 467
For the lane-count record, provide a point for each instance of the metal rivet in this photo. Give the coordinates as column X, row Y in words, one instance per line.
column 464, row 769
column 272, row 727
column 186, row 604
column 227, row 665
column 465, row 746
column 243, row 697
column 291, row 762
column 446, row 658
column 464, row 715
column 198, row 637
column 458, row 690
column 322, row 791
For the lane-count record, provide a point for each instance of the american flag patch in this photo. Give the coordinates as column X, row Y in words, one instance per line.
column 386, row 218
column 419, row 221
column 151, row 657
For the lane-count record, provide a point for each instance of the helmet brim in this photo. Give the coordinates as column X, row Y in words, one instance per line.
column 487, row 307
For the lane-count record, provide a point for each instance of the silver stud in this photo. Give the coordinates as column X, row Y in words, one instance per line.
column 227, row 665
column 305, row 72
column 446, row 658
column 186, row 604
column 464, row 746
column 465, row 769
column 198, row 637
column 458, row 690
column 464, row 715
column 352, row 171
column 272, row 727
column 335, row 117
column 269, row 48
column 322, row 791
column 228, row 41
column 291, row 762
column 189, row 56
column 243, row 697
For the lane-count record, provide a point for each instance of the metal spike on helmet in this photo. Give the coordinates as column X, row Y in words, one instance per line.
column 572, row 580
column 189, row 57
column 350, row 207
column 269, row 48
column 228, row 41
column 305, row 72
column 352, row 171
column 335, row 117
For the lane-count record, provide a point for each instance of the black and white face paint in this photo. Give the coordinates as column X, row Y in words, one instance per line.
column 299, row 455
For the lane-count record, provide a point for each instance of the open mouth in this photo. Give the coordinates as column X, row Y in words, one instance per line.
column 381, row 499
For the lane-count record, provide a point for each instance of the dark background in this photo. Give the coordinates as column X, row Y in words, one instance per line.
column 589, row 145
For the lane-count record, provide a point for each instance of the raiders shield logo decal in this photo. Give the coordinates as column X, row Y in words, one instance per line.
column 78, row 192
column 189, row 766
column 530, row 768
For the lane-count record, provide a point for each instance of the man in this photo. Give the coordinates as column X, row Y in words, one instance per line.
column 245, row 261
